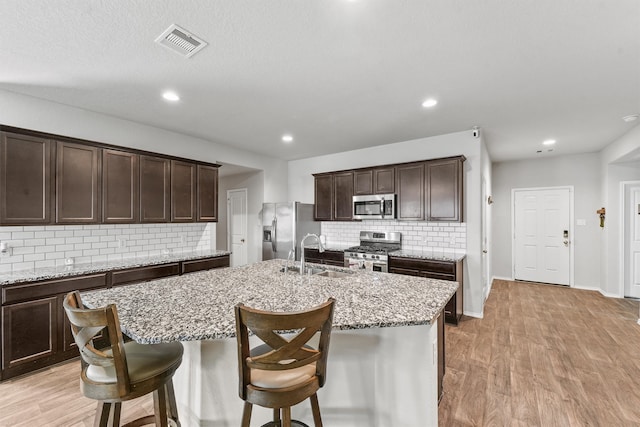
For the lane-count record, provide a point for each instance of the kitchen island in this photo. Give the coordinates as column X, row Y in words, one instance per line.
column 382, row 364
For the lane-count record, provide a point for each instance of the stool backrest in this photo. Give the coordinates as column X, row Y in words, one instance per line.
column 86, row 324
column 294, row 351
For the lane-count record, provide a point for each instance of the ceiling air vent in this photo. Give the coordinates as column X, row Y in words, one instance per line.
column 181, row 41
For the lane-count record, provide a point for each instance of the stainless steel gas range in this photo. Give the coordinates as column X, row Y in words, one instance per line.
column 373, row 251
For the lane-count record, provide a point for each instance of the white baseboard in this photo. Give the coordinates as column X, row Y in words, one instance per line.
column 609, row 295
column 501, row 278
column 472, row 314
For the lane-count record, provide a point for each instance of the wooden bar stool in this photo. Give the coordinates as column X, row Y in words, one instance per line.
column 290, row 370
column 122, row 371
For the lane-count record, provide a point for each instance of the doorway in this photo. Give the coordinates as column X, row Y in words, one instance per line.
column 542, row 225
column 630, row 230
column 237, row 226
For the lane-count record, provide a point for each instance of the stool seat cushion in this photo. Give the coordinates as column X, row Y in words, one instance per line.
column 143, row 360
column 281, row 379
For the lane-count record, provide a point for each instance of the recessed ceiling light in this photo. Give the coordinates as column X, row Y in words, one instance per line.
column 429, row 103
column 171, row 96
column 549, row 142
column 287, row 138
column 631, row 118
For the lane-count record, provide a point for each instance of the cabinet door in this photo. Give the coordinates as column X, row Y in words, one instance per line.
column 77, row 178
column 207, row 193
column 363, row 182
column 29, row 334
column 154, row 189
column 25, row 179
column 120, row 201
column 343, row 196
column 183, row 191
column 410, row 191
column 444, row 190
column 323, row 197
column 384, row 180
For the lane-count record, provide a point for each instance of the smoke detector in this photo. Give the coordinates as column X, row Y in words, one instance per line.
column 181, row 41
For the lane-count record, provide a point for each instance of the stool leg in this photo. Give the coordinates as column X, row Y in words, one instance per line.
column 276, row 416
column 171, row 397
column 160, row 407
column 114, row 414
column 315, row 409
column 102, row 414
column 246, row 414
column 286, row 416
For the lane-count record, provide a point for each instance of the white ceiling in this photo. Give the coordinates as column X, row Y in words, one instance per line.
column 339, row 74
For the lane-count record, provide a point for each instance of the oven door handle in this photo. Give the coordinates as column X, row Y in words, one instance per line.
column 382, row 208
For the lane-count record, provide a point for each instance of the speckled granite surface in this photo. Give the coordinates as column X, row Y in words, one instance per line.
column 200, row 306
column 79, row 269
column 428, row 254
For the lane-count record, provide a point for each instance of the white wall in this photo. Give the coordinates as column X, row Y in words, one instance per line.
column 612, row 174
column 487, row 176
column 254, row 183
column 301, row 188
column 45, row 116
column 581, row 172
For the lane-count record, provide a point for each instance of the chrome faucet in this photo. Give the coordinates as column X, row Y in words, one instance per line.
column 320, row 248
column 292, row 256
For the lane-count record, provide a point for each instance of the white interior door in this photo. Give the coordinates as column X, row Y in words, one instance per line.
column 542, row 235
column 632, row 246
column 237, row 226
column 486, row 286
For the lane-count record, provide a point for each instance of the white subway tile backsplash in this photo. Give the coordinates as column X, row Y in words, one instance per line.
column 49, row 246
column 415, row 235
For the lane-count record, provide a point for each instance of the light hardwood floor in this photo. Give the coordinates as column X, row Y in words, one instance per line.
column 542, row 356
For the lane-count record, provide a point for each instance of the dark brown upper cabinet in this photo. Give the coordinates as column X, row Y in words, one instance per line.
column 207, row 210
column 374, row 181
column 323, row 197
column 25, row 179
column 363, row 182
column 77, row 183
column 343, row 196
column 155, row 193
column 410, row 183
column 120, row 200
column 183, row 191
column 444, row 190
column 384, row 180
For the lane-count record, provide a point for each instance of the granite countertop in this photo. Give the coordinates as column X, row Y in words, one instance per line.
column 200, row 306
column 88, row 268
column 430, row 254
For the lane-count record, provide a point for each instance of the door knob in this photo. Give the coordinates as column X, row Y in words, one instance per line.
column 484, row 251
column 241, row 240
column 566, row 242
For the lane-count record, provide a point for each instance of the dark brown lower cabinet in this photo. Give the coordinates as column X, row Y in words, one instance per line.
column 35, row 330
column 204, row 264
column 442, row 270
column 335, row 258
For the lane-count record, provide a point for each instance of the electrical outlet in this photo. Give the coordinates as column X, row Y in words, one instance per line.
column 183, row 239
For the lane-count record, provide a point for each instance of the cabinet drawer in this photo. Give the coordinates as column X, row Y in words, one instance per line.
column 11, row 294
column 326, row 255
column 435, row 267
column 144, row 273
column 204, row 264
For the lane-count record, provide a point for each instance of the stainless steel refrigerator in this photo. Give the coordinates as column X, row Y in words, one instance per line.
column 283, row 226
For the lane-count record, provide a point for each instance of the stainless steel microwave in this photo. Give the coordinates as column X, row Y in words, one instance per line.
column 379, row 206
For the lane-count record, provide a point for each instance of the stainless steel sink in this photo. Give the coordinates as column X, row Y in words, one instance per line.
column 319, row 272
column 334, row 274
